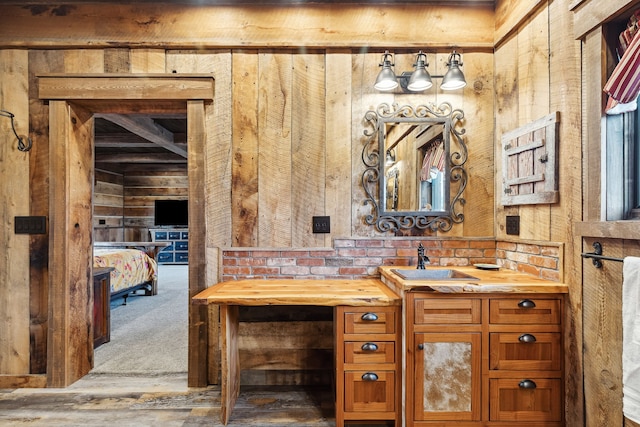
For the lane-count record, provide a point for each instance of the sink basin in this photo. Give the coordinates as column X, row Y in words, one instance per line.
column 433, row 274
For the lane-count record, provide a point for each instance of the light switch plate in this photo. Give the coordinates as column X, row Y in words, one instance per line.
column 513, row 224
column 321, row 224
column 30, row 225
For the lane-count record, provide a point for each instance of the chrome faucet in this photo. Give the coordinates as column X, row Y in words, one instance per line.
column 422, row 258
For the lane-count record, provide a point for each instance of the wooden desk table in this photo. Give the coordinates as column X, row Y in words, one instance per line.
column 150, row 248
column 256, row 292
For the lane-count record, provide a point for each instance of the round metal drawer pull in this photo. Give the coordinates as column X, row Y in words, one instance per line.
column 526, row 303
column 369, row 376
column 527, row 384
column 527, row 338
column 369, row 346
column 420, row 346
column 369, row 317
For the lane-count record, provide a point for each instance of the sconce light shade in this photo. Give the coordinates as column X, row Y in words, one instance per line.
column 386, row 79
column 454, row 78
column 420, row 79
column 390, row 158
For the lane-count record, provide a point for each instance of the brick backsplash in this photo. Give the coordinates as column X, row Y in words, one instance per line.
column 540, row 260
column 360, row 257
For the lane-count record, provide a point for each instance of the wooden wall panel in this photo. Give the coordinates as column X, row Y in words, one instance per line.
column 339, row 141
column 308, row 147
column 14, row 192
column 244, row 182
column 274, row 176
column 507, row 88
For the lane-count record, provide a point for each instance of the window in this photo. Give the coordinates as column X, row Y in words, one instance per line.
column 621, row 161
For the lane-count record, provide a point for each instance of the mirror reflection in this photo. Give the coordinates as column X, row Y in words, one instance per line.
column 414, row 158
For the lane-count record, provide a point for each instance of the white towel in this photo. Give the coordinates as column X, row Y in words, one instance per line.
column 631, row 339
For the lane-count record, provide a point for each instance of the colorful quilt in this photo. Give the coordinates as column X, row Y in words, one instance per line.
column 132, row 266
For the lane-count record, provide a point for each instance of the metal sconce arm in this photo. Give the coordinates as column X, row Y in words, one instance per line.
column 21, row 145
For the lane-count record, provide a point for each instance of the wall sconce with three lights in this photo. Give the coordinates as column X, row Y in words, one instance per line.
column 420, row 79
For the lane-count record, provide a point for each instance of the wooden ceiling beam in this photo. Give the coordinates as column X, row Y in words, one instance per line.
column 138, row 158
column 467, row 26
column 146, row 128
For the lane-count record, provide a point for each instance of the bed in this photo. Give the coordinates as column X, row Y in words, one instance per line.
column 133, row 270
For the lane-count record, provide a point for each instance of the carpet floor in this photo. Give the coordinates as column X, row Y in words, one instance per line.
column 149, row 334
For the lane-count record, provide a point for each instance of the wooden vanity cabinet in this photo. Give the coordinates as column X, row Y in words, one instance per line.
column 368, row 361
column 484, row 360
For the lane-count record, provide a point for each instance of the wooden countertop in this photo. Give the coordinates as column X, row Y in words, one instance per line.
column 333, row 292
column 498, row 281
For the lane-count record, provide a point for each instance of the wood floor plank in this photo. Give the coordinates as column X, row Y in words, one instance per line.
column 101, row 400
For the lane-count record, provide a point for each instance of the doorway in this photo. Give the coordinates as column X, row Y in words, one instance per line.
column 140, row 194
column 73, row 102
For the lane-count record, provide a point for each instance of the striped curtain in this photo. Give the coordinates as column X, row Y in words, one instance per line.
column 623, row 86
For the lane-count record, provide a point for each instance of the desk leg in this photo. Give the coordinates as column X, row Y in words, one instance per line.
column 230, row 363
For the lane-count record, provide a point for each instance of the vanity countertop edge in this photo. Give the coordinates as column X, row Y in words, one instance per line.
column 489, row 281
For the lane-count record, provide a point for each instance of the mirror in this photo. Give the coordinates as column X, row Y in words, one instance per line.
column 414, row 173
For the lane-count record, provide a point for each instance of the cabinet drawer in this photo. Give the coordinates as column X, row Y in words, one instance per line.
column 369, row 391
column 369, row 352
column 525, row 399
column 525, row 311
column 182, row 245
column 160, row 235
column 182, row 257
column 377, row 320
column 447, row 310
column 525, row 351
column 165, row 257
column 174, row 235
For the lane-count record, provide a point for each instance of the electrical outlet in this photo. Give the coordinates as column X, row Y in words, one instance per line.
column 30, row 225
column 321, row 224
column 513, row 225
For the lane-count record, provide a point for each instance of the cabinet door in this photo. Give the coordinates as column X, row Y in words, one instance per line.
column 447, row 376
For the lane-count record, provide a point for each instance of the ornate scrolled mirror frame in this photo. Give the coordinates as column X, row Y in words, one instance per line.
column 382, row 193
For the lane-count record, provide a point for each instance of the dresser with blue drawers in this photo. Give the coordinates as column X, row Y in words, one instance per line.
column 178, row 250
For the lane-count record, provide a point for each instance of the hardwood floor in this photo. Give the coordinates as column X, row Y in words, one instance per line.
column 107, row 400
